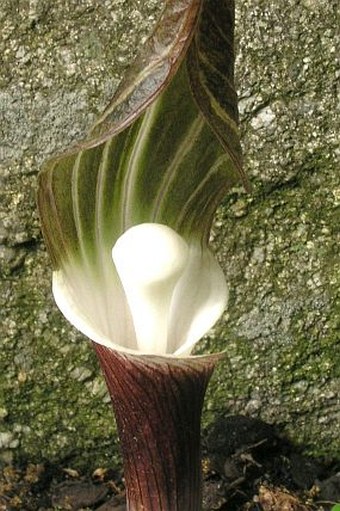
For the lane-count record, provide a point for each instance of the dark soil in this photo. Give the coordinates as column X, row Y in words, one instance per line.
column 247, row 466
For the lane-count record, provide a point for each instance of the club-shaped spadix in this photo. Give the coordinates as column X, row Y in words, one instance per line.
column 150, row 259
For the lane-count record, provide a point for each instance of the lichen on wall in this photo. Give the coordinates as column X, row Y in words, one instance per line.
column 61, row 61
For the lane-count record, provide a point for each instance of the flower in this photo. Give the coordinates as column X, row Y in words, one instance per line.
column 164, row 152
column 126, row 217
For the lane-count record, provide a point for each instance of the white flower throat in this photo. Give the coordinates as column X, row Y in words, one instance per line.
column 156, row 293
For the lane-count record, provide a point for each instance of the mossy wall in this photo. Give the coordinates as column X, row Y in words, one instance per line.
column 61, row 61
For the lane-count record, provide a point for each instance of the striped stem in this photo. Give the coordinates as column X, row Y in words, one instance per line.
column 158, row 403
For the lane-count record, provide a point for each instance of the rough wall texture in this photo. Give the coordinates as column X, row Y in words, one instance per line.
column 60, row 62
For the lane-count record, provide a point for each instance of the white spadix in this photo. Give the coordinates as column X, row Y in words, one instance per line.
column 150, row 259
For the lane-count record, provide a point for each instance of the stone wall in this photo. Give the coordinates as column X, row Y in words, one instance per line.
column 60, row 63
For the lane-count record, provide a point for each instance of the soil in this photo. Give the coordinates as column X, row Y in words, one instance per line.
column 247, row 466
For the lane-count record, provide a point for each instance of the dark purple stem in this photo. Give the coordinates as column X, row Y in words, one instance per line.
column 158, row 403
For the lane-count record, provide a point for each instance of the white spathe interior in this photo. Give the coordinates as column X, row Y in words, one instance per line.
column 169, row 293
column 96, row 306
column 199, row 300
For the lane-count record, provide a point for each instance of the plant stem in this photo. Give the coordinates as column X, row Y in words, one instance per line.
column 158, row 403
